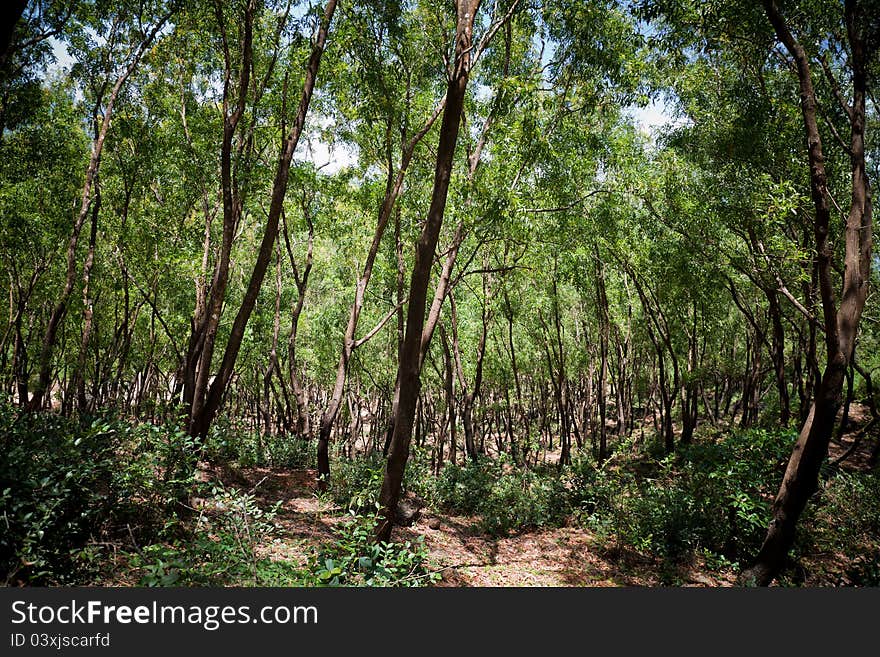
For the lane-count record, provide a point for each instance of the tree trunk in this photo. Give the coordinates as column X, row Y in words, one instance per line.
column 469, row 396
column 604, row 332
column 300, row 395
column 200, row 352
column 393, row 188
column 409, row 367
column 203, row 414
column 841, row 324
column 9, row 18
column 60, row 310
column 88, row 306
column 778, row 339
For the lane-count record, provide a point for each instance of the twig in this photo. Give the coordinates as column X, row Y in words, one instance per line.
column 256, row 485
column 134, row 542
column 855, row 445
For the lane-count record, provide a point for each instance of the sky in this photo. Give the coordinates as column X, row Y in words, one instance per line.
column 652, row 117
column 331, row 158
column 326, row 157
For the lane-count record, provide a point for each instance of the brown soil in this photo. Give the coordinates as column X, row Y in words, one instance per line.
column 859, row 458
column 565, row 556
column 464, row 556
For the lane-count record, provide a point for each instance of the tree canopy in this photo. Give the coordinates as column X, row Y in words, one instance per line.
column 416, row 237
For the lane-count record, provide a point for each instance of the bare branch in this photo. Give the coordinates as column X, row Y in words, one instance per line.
column 835, row 88
column 378, row 327
column 563, row 208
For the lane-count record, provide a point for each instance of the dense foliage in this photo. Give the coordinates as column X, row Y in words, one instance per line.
column 437, row 255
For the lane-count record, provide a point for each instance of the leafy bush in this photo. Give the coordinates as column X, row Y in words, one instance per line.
column 419, row 477
column 710, row 496
column 506, row 498
column 61, row 483
column 55, row 487
column 355, row 559
column 461, row 489
column 291, row 452
column 156, row 463
column 355, row 483
column 221, row 548
column 846, row 521
column 526, row 499
column 663, row 519
column 228, row 443
column 66, row 483
column 595, row 495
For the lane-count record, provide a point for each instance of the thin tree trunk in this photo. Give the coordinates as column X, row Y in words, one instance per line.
column 604, row 331
column 204, row 414
column 300, row 395
column 79, row 376
column 778, row 338
column 393, row 188
column 410, row 363
column 470, row 396
column 841, row 324
column 59, row 311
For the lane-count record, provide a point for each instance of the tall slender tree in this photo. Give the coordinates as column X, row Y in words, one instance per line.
column 409, row 368
column 206, row 399
column 841, row 318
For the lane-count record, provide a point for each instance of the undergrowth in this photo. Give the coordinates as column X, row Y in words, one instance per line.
column 79, row 498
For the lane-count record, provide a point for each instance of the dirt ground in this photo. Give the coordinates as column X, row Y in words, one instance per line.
column 463, row 556
column 563, row 556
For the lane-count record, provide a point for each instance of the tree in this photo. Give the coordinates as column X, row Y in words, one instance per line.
column 841, row 319
column 102, row 114
column 395, row 120
column 206, row 400
column 409, row 368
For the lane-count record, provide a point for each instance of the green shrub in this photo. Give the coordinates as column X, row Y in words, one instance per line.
column 59, row 483
column 355, row 483
column 66, row 486
column 662, row 519
column 711, row 496
column 461, row 489
column 419, row 477
column 505, row 497
column 55, row 488
column 355, row 559
column 157, row 463
column 525, row 499
column 220, row 549
column 596, row 497
column 291, row 452
column 846, row 521
column 227, row 443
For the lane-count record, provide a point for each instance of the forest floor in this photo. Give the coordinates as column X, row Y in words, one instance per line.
column 465, row 556
column 857, row 456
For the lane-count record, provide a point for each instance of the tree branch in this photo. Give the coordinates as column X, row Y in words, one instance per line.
column 378, row 327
